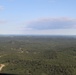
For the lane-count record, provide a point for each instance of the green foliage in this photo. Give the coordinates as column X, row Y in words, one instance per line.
column 38, row 55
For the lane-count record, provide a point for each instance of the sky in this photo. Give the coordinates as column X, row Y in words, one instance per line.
column 38, row 17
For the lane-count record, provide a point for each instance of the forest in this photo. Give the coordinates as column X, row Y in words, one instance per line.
column 38, row 55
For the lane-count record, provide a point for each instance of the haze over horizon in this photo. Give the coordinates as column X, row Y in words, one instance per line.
column 38, row 17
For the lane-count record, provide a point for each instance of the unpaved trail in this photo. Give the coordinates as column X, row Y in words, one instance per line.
column 1, row 67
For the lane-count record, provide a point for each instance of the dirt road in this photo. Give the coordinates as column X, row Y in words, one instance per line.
column 1, row 67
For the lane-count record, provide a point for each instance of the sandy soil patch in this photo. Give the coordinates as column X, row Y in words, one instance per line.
column 1, row 67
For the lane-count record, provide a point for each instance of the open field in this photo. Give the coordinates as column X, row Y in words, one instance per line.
column 38, row 55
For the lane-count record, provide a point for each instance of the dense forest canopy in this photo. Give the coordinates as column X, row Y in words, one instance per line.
column 38, row 55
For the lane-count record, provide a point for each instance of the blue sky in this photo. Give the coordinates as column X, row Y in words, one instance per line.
column 43, row 17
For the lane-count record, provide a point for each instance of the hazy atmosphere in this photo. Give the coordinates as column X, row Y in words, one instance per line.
column 38, row 37
column 38, row 17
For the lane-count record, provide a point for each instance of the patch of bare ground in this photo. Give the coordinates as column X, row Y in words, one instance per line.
column 1, row 66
